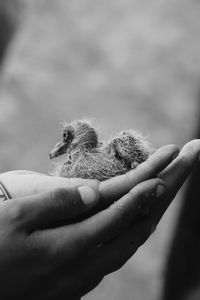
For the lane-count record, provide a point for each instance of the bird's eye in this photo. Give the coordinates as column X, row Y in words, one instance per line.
column 64, row 135
column 67, row 136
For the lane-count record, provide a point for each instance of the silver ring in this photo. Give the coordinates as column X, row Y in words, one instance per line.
column 4, row 195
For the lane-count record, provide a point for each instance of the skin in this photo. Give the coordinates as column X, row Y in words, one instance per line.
column 39, row 261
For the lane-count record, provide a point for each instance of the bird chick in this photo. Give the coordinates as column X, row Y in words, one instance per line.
column 130, row 147
column 86, row 157
column 78, row 136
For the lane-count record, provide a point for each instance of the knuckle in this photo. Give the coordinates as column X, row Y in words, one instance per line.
column 15, row 212
column 122, row 215
column 129, row 177
column 59, row 196
column 184, row 163
column 133, row 193
column 149, row 164
column 95, row 184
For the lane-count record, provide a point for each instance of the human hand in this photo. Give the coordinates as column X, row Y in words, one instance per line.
column 22, row 183
column 78, row 269
column 114, row 254
column 39, row 262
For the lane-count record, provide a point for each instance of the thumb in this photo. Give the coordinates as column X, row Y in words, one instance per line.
column 51, row 207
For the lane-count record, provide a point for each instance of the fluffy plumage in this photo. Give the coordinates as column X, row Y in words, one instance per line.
column 85, row 157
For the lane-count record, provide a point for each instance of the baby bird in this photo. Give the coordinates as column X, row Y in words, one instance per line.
column 77, row 136
column 86, row 157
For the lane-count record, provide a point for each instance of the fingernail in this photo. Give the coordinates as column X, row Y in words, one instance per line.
column 160, row 190
column 88, row 195
column 175, row 155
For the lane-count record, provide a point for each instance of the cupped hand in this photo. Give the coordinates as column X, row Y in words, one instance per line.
column 22, row 183
column 41, row 262
column 114, row 254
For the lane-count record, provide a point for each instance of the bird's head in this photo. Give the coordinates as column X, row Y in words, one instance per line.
column 63, row 146
column 75, row 135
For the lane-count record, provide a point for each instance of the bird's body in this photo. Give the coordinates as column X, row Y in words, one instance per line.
column 86, row 157
column 95, row 164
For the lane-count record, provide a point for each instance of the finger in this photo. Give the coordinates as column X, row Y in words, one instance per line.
column 116, row 187
column 50, row 207
column 111, row 256
column 22, row 183
column 176, row 174
column 79, row 237
column 103, row 226
column 112, row 221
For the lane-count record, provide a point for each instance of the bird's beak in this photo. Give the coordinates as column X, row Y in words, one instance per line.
column 59, row 149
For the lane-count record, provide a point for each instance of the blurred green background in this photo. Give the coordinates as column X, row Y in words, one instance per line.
column 123, row 64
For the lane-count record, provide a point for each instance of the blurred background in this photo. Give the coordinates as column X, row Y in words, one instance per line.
column 123, row 64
